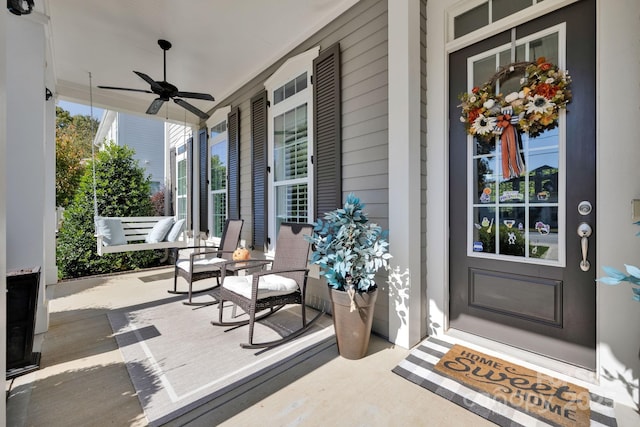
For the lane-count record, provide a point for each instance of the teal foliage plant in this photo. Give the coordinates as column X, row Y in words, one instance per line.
column 348, row 248
column 615, row 277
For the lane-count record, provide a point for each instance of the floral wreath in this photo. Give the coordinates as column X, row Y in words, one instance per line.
column 544, row 90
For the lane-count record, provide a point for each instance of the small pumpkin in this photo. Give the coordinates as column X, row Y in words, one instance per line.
column 241, row 254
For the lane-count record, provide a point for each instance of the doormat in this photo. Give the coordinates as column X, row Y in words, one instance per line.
column 500, row 391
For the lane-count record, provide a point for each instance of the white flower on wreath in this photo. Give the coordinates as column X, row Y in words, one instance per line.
column 511, row 97
column 539, row 104
column 483, row 125
column 489, row 103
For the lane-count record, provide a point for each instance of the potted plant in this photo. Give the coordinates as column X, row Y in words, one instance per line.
column 615, row 277
column 350, row 250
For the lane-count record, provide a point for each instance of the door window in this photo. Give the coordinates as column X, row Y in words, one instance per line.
column 517, row 218
column 472, row 16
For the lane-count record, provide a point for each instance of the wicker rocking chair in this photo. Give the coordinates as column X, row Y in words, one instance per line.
column 263, row 293
column 204, row 262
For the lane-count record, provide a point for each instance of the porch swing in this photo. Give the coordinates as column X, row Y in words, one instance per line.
column 127, row 234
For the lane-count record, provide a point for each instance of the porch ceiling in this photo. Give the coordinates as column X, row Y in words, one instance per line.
column 218, row 45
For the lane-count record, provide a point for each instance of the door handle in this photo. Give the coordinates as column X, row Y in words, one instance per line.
column 584, row 231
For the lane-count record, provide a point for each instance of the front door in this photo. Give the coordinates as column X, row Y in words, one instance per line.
column 517, row 273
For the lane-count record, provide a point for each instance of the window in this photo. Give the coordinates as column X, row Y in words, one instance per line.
column 290, row 143
column 218, row 160
column 480, row 14
column 296, row 166
column 181, row 182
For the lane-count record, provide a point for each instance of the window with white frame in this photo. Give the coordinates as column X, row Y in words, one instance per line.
column 218, row 160
column 290, row 143
column 471, row 15
column 181, row 181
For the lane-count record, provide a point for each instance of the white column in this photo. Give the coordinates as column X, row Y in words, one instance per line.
column 618, row 182
column 406, row 308
column 26, row 165
column 437, row 167
column 50, row 268
column 3, row 198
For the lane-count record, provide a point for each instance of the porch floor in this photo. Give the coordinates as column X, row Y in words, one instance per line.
column 83, row 379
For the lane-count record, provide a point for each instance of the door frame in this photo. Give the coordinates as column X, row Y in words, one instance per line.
column 438, row 167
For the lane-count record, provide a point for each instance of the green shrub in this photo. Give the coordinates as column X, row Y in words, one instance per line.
column 121, row 190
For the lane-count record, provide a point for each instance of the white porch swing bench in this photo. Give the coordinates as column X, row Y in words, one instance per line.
column 137, row 234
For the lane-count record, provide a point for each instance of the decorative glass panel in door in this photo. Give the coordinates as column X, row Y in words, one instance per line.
column 517, row 216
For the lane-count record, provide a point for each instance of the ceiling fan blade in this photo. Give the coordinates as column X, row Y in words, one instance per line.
column 155, row 106
column 195, row 95
column 155, row 87
column 125, row 88
column 194, row 110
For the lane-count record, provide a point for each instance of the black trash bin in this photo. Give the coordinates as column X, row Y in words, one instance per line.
column 22, row 299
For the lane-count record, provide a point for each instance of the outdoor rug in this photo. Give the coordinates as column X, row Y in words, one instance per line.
column 500, row 391
column 178, row 361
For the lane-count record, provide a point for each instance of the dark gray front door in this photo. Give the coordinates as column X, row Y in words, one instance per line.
column 515, row 254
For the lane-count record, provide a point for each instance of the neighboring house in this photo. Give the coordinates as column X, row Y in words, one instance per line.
column 369, row 104
column 146, row 136
column 179, row 138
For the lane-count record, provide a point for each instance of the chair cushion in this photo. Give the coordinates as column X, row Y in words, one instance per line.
column 200, row 265
column 175, row 231
column 268, row 285
column 159, row 231
column 111, row 231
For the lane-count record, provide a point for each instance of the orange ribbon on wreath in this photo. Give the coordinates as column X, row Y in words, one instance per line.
column 512, row 163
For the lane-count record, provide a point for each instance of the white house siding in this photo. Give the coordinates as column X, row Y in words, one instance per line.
column 146, row 137
column 362, row 34
column 177, row 134
column 618, row 182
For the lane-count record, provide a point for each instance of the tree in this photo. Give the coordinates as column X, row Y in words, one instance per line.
column 122, row 189
column 74, row 136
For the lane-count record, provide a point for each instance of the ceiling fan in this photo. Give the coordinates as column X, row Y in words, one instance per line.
column 166, row 90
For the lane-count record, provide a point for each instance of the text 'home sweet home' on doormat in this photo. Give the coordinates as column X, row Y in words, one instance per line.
column 500, row 391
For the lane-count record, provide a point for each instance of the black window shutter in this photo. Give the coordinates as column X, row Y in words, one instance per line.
column 327, row 134
column 172, row 189
column 233, row 169
column 203, row 173
column 259, row 168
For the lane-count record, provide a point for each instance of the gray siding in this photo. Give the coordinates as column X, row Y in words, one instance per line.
column 362, row 34
column 146, row 137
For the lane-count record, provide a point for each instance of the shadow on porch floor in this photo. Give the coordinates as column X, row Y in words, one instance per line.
column 83, row 380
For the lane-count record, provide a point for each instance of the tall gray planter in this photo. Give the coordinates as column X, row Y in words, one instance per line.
column 353, row 328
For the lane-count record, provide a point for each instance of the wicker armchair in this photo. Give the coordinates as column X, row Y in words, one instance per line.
column 204, row 262
column 263, row 293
